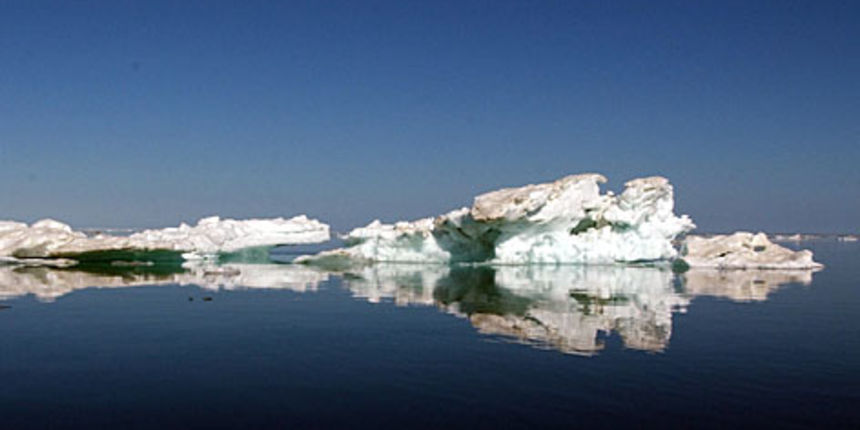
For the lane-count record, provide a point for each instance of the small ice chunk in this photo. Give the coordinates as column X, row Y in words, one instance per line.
column 743, row 250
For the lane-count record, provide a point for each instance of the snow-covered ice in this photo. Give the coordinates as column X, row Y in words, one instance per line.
column 743, row 250
column 566, row 221
column 795, row 237
column 49, row 239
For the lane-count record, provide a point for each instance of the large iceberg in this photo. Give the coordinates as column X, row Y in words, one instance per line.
column 566, row 221
column 743, row 250
column 50, row 241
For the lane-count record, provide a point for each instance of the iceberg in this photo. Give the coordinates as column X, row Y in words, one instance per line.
column 743, row 250
column 566, row 221
column 52, row 242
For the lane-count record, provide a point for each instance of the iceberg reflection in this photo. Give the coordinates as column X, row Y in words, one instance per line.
column 567, row 308
column 47, row 284
column 741, row 285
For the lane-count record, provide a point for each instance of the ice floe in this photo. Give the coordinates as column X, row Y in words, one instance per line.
column 52, row 242
column 795, row 237
column 743, row 250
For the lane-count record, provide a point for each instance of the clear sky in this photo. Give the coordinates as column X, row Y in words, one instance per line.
column 149, row 113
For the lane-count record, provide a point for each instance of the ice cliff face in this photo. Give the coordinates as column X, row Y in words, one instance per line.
column 743, row 250
column 566, row 221
column 49, row 239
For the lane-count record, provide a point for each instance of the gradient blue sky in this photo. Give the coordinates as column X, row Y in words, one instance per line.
column 149, row 113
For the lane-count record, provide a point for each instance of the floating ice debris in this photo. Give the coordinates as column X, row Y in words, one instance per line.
column 847, row 238
column 566, row 221
column 743, row 250
column 796, row 237
column 49, row 239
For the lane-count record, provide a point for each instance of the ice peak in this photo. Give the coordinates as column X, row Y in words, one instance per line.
column 648, row 182
column 211, row 220
column 519, row 202
column 51, row 224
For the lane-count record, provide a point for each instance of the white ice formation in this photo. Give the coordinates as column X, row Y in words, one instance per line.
column 566, row 221
column 50, row 241
column 796, row 237
column 743, row 250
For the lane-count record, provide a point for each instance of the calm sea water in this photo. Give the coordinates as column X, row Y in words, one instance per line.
column 252, row 346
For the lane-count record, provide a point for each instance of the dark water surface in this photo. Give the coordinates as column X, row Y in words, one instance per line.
column 410, row 346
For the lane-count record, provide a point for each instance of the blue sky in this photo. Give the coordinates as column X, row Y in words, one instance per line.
column 122, row 113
